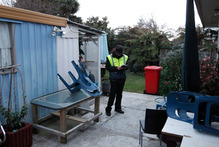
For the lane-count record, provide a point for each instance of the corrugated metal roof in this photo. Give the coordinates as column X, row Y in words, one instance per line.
column 86, row 29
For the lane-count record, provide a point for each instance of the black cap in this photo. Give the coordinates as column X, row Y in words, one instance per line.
column 119, row 50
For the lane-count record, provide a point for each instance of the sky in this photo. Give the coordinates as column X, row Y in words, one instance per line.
column 171, row 13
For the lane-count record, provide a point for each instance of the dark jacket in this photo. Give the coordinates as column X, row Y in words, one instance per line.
column 114, row 73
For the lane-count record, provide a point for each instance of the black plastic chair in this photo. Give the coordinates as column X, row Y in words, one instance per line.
column 153, row 123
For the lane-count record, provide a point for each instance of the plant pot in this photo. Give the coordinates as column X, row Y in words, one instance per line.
column 21, row 138
column 106, row 87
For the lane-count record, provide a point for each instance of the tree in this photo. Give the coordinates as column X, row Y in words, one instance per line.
column 102, row 25
column 98, row 24
column 142, row 49
column 123, row 35
column 64, row 8
column 43, row 6
column 67, row 8
column 143, row 43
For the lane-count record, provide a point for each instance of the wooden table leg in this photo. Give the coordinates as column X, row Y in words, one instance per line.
column 97, row 107
column 170, row 140
column 63, row 126
column 35, row 117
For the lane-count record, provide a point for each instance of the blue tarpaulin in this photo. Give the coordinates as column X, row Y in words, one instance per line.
column 103, row 48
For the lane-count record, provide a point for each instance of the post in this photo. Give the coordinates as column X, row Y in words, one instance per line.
column 35, row 117
column 217, row 42
column 97, row 107
column 63, row 126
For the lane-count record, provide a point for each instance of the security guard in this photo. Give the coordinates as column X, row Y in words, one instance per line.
column 116, row 65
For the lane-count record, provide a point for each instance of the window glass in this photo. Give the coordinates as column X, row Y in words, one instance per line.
column 7, row 49
column 5, row 45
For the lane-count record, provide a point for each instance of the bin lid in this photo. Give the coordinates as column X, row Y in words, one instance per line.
column 157, row 68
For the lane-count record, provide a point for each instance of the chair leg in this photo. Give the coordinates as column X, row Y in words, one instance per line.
column 140, row 139
column 161, row 139
column 140, row 134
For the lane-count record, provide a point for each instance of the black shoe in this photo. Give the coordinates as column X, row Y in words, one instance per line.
column 108, row 113
column 119, row 111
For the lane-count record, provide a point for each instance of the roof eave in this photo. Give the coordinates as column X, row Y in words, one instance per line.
column 208, row 12
column 86, row 29
column 31, row 16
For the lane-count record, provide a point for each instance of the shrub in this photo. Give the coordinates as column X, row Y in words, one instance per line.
column 209, row 76
column 11, row 112
column 171, row 72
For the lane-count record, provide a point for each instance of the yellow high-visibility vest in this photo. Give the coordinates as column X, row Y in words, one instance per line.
column 117, row 62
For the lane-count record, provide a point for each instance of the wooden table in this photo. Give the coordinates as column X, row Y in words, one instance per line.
column 61, row 102
column 179, row 131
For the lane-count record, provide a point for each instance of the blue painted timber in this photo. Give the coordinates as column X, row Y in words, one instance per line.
column 36, row 51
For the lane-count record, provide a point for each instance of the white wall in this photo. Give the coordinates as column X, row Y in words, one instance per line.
column 67, row 50
column 91, row 59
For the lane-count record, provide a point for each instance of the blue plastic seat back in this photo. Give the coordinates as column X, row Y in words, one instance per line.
column 179, row 104
column 83, row 68
column 207, row 114
column 74, row 86
column 81, row 74
column 83, row 81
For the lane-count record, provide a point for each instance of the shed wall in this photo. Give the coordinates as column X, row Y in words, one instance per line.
column 67, row 50
column 36, row 52
column 92, row 59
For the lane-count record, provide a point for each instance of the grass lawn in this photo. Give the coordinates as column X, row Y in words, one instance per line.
column 135, row 82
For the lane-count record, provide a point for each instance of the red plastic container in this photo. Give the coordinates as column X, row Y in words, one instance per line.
column 152, row 79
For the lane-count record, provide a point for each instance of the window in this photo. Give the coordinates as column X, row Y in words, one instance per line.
column 7, row 50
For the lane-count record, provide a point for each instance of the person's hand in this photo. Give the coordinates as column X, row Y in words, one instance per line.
column 119, row 67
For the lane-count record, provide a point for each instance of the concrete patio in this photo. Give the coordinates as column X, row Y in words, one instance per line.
column 118, row 130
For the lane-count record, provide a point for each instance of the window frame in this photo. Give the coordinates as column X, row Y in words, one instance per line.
column 8, row 69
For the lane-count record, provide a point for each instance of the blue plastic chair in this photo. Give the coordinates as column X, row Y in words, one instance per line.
column 179, row 103
column 83, row 81
column 207, row 113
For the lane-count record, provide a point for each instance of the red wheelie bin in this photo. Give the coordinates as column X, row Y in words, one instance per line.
column 152, row 79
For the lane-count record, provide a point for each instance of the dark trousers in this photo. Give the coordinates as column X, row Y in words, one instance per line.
column 115, row 92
